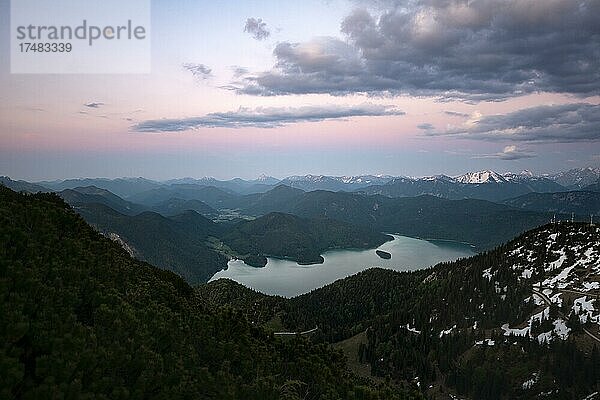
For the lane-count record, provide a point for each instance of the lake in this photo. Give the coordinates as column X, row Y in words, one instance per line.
column 288, row 278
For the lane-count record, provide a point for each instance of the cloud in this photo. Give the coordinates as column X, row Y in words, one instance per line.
column 93, row 104
column 451, row 49
column 199, row 71
column 266, row 117
column 257, row 28
column 510, row 153
column 562, row 123
column 238, row 71
column 456, row 114
column 426, row 126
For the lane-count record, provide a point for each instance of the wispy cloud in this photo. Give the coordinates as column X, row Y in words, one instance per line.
column 257, row 28
column 510, row 153
column 199, row 71
column 266, row 117
column 239, row 71
column 93, row 104
column 456, row 114
column 426, row 127
column 562, row 123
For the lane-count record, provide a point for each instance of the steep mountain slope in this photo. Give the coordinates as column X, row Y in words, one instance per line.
column 92, row 194
column 179, row 244
column 303, row 240
column 520, row 321
column 237, row 185
column 81, row 319
column 582, row 203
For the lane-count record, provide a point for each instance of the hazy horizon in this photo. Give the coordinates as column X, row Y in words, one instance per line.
column 257, row 177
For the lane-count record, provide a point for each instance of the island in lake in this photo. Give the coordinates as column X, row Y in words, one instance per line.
column 383, row 254
column 255, row 260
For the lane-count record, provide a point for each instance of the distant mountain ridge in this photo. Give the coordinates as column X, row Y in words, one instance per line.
column 506, row 185
column 21, row 186
column 174, row 206
column 91, row 194
column 425, row 216
column 435, row 207
column 483, row 185
column 334, row 183
column 577, row 178
column 123, row 187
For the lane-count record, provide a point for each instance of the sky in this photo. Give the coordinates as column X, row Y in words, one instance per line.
column 337, row 87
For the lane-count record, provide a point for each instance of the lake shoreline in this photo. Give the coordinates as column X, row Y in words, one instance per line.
column 288, row 278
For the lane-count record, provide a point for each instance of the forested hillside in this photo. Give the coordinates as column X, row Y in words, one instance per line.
column 580, row 203
column 82, row 319
column 289, row 236
column 179, row 243
column 465, row 220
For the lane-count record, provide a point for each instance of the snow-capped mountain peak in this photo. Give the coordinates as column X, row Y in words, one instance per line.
column 481, row 177
column 524, row 175
column 442, row 177
column 266, row 179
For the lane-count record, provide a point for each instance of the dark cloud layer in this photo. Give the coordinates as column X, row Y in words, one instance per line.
column 563, row 123
column 265, row 117
column 257, row 28
column 467, row 50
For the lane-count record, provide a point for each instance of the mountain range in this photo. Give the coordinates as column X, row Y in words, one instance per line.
column 514, row 183
column 424, row 216
column 172, row 224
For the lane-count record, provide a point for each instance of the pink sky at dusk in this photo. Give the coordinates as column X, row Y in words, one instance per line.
column 47, row 113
